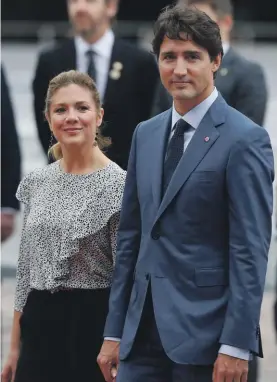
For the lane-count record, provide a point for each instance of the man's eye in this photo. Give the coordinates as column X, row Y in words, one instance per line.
column 193, row 57
column 169, row 57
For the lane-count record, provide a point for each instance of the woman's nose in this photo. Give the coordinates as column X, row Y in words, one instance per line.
column 71, row 115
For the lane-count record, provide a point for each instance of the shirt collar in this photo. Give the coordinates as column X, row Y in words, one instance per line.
column 195, row 115
column 226, row 47
column 102, row 47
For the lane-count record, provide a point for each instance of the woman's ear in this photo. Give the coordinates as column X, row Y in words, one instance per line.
column 46, row 115
column 100, row 117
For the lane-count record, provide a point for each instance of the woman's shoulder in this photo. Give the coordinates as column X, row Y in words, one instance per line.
column 116, row 176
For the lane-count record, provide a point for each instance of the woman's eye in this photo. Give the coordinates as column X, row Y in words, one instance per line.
column 60, row 110
column 83, row 108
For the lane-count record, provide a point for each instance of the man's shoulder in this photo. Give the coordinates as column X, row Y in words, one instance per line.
column 240, row 127
column 155, row 121
column 57, row 49
column 134, row 52
column 243, row 63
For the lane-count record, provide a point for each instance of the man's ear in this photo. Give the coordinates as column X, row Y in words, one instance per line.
column 112, row 8
column 216, row 63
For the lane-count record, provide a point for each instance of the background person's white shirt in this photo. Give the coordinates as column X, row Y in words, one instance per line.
column 102, row 56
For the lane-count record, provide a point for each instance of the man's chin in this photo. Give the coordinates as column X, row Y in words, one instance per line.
column 86, row 32
column 182, row 95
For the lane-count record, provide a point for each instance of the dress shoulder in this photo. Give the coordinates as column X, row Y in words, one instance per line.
column 31, row 182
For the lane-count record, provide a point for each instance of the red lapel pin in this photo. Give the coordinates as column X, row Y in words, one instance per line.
column 206, row 139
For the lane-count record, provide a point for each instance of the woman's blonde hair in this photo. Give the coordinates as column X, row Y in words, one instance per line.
column 83, row 80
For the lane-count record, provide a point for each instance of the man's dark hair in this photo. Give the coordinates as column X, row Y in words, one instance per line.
column 183, row 23
column 220, row 7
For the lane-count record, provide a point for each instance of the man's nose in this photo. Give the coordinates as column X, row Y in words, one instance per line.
column 81, row 5
column 180, row 68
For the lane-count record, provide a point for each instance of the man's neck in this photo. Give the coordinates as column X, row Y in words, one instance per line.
column 184, row 106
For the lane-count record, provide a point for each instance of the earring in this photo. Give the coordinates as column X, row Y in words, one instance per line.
column 51, row 141
column 95, row 141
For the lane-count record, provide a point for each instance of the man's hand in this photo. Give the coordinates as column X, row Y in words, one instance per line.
column 108, row 359
column 7, row 225
column 230, row 369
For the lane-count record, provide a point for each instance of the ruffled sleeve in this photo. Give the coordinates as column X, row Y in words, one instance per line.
column 24, row 195
column 24, row 190
column 23, row 268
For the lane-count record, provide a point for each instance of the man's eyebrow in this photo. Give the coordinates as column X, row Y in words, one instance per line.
column 192, row 52
column 184, row 52
column 167, row 52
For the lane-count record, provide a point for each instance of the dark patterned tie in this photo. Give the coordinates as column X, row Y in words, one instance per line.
column 174, row 152
column 91, row 71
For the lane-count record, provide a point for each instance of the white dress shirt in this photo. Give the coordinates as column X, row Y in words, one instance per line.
column 102, row 56
column 194, row 118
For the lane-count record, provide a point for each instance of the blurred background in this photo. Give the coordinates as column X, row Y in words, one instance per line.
column 29, row 26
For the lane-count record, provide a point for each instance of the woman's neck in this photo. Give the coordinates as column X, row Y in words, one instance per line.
column 83, row 162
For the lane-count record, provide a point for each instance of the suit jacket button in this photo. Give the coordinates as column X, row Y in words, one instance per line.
column 155, row 235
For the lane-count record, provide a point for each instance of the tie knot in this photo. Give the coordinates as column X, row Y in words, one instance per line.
column 90, row 53
column 181, row 127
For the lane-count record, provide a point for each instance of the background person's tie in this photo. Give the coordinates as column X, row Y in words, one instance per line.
column 174, row 152
column 91, row 71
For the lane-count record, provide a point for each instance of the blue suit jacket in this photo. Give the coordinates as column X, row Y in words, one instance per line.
column 203, row 246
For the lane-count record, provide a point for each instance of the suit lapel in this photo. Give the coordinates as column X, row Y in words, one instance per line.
column 203, row 139
column 159, row 141
column 226, row 66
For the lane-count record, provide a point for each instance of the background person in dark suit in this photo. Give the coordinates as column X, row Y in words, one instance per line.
column 10, row 162
column 240, row 81
column 126, row 76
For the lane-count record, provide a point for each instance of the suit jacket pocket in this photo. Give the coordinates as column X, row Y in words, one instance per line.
column 208, row 277
column 208, row 176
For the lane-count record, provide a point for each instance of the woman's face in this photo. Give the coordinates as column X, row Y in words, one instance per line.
column 73, row 117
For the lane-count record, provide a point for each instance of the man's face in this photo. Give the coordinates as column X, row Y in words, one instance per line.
column 186, row 69
column 225, row 22
column 208, row 10
column 88, row 16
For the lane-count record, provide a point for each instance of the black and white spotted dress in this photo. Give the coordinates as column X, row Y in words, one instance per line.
column 65, row 266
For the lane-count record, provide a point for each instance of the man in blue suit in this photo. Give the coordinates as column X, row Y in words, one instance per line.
column 195, row 225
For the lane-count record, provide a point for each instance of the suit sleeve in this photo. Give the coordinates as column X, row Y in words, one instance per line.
column 250, row 174
column 251, row 95
column 10, row 151
column 128, row 242
column 40, row 86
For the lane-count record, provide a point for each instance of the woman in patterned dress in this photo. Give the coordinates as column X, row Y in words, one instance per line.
column 67, row 251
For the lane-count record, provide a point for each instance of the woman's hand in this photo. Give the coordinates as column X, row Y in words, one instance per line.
column 9, row 369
